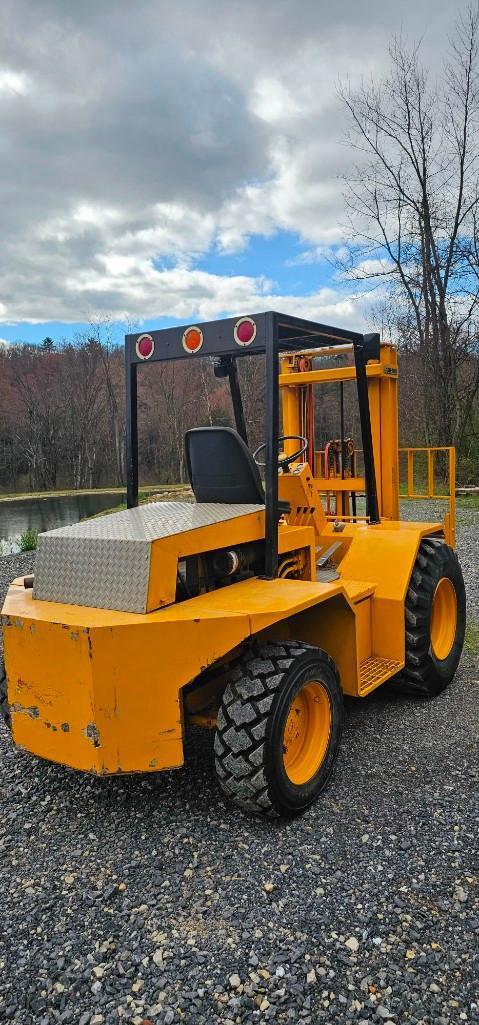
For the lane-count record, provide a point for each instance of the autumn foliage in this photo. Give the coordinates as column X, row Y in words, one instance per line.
column 62, row 414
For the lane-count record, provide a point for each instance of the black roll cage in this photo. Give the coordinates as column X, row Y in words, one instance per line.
column 275, row 333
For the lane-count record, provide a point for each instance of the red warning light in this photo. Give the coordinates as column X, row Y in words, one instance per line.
column 192, row 340
column 245, row 331
column 144, row 346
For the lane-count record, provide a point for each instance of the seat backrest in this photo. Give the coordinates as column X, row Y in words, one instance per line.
column 221, row 467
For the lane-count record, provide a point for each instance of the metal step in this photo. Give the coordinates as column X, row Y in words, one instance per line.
column 374, row 671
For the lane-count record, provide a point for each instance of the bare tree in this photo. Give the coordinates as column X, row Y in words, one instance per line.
column 253, row 389
column 36, row 381
column 113, row 370
column 413, row 200
column 83, row 392
column 172, row 398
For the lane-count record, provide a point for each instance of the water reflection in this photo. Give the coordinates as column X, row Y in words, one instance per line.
column 45, row 513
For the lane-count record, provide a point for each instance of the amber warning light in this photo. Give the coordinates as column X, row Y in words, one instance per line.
column 192, row 340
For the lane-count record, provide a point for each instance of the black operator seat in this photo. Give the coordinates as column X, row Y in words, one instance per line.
column 221, row 467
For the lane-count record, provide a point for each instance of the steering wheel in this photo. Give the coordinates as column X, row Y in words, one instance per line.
column 284, row 461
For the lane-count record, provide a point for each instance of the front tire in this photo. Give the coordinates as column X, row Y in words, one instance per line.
column 279, row 728
column 4, row 706
column 435, row 621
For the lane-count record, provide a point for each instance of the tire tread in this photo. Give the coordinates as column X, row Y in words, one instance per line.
column 242, row 722
column 4, row 705
column 419, row 677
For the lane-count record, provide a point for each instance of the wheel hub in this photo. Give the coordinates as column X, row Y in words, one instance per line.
column 443, row 619
column 306, row 732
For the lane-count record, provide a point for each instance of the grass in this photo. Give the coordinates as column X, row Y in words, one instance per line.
column 28, row 540
column 471, row 640
column 144, row 496
column 13, row 496
column 470, row 501
column 421, row 491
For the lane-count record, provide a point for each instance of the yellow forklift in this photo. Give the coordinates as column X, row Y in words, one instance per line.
column 253, row 609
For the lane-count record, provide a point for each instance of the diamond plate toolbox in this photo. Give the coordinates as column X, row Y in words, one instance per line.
column 105, row 562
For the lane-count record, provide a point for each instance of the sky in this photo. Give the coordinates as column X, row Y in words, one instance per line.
column 171, row 162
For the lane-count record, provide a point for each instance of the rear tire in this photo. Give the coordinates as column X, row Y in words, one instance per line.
column 435, row 621
column 279, row 728
column 4, row 706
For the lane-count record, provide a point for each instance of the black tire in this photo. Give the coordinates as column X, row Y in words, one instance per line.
column 250, row 735
column 425, row 674
column 4, row 706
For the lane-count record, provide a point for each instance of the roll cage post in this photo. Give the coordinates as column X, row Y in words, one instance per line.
column 274, row 333
column 226, row 366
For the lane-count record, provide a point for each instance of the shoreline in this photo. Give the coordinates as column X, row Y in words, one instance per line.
column 26, row 496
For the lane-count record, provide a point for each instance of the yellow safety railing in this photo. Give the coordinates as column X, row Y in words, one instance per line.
column 432, row 487
column 428, row 489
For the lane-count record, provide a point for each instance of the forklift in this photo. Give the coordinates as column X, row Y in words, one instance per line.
column 288, row 582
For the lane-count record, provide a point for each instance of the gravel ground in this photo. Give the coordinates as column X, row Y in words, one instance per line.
column 148, row 899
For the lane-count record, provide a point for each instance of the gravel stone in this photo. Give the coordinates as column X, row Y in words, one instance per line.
column 156, row 880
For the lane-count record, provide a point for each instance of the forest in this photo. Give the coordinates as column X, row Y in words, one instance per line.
column 62, row 414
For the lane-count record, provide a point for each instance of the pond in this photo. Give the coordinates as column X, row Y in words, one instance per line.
column 38, row 514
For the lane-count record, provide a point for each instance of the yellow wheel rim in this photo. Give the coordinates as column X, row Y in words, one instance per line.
column 443, row 619
column 306, row 732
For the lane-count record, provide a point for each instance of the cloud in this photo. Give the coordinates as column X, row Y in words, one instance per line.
column 137, row 138
column 13, row 82
column 373, row 266
column 188, row 294
column 319, row 254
